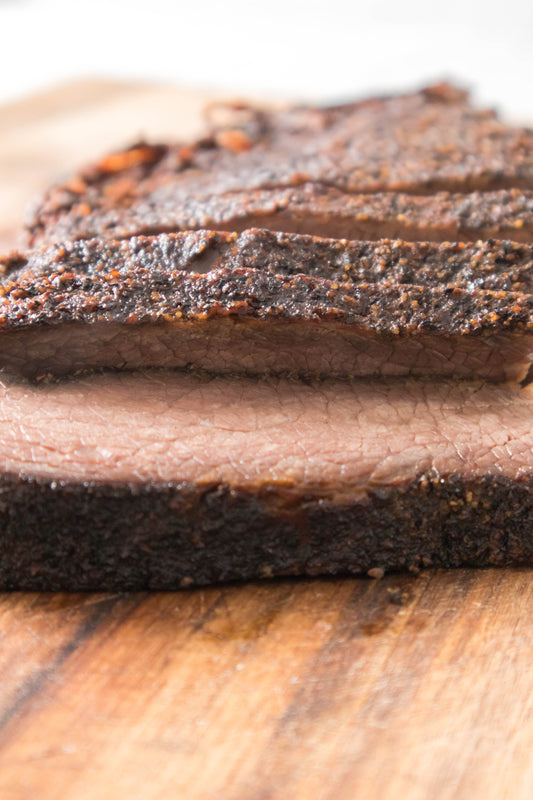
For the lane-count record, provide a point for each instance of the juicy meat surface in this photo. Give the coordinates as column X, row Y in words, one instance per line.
column 333, row 439
column 418, row 144
column 271, row 303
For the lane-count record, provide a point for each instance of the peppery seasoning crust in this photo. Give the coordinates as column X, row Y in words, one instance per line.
column 316, row 210
column 309, row 162
column 388, row 287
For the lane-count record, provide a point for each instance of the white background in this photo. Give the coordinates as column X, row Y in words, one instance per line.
column 302, row 48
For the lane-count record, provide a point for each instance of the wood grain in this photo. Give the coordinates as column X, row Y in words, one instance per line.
column 406, row 687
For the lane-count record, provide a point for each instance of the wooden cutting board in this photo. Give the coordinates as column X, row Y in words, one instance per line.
column 406, row 687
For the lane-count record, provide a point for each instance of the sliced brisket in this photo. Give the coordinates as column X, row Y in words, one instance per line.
column 297, row 170
column 163, row 479
column 315, row 210
column 270, row 303
column 187, row 407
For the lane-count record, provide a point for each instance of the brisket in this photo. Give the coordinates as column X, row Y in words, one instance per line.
column 270, row 303
column 311, row 170
column 157, row 480
column 315, row 210
column 215, row 366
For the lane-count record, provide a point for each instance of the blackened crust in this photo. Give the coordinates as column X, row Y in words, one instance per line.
column 96, row 537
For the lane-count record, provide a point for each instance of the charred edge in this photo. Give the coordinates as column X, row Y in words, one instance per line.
column 122, row 537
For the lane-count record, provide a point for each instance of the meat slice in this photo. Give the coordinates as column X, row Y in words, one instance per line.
column 332, row 439
column 270, row 303
column 297, row 169
column 162, row 479
column 315, row 210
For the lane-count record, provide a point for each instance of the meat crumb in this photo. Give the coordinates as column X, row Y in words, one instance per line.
column 376, row 572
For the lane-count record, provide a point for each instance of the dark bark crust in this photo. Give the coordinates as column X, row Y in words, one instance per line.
column 417, row 144
column 390, row 287
column 63, row 536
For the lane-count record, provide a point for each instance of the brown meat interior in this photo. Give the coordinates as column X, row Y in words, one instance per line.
column 225, row 345
column 338, row 440
column 339, row 227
